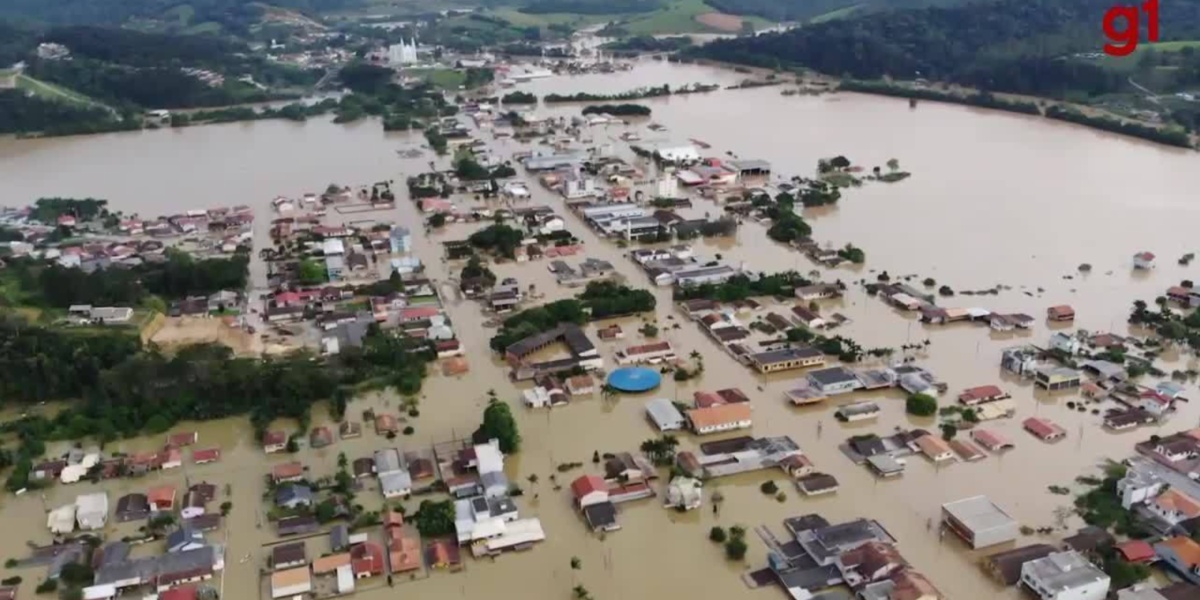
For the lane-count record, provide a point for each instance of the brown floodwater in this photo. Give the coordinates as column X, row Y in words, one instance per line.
column 994, row 199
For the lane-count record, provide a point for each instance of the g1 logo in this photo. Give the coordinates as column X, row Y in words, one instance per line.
column 1122, row 27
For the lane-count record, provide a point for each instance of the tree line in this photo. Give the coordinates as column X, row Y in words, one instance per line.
column 599, row 300
column 1004, row 46
column 120, row 388
column 591, row 7
column 178, row 277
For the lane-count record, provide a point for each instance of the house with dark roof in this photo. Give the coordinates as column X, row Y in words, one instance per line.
column 132, row 507
column 1005, row 566
column 185, row 538
column 286, row 556
column 293, row 496
column 296, row 525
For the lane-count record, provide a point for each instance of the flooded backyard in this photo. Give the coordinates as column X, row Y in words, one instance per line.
column 995, row 199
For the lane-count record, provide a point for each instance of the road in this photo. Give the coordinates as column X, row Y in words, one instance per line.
column 1151, row 96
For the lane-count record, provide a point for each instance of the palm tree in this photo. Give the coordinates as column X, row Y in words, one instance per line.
column 696, row 355
column 607, row 391
column 533, row 479
column 581, row 593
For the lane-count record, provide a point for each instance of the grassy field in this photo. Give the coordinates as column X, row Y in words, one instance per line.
column 1169, row 46
column 835, row 14
column 448, row 79
column 50, row 91
column 521, row 19
column 677, row 18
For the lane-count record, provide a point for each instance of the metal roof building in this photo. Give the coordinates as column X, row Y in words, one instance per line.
column 979, row 522
column 664, row 414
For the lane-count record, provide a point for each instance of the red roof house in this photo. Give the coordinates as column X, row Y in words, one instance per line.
column 206, row 456
column 990, row 439
column 706, row 399
column 385, row 424
column 366, row 559
column 980, row 394
column 274, row 441
column 1062, row 312
column 588, row 490
column 733, row 395
column 162, row 497
column 289, row 471
column 187, row 592
column 1043, row 429
column 417, row 313
column 172, row 458
column 186, row 438
column 1136, row 551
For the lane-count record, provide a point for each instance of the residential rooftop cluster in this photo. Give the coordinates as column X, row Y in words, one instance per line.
column 816, row 555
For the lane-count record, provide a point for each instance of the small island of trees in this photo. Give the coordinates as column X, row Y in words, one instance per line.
column 618, row 110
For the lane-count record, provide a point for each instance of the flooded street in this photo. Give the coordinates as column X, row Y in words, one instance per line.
column 995, row 199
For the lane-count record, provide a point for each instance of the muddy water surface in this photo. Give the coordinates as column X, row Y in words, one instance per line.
column 995, row 199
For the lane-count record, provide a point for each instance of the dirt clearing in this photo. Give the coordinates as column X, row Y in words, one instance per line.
column 720, row 21
column 183, row 331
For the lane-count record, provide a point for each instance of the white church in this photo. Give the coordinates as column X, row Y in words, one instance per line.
column 404, row 53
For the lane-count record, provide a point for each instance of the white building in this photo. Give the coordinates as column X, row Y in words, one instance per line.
column 1064, row 576
column 397, row 484
column 1066, row 343
column 333, row 247
column 61, row 520
column 666, row 187
column 684, row 493
column 404, row 53
column 1138, row 486
column 580, row 187
column 91, row 511
column 678, row 154
column 664, row 415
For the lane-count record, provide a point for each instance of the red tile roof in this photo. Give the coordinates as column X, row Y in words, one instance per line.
column 1043, row 428
column 980, row 393
column 273, row 438
column 367, row 557
column 707, row 399
column 187, row 592
column 206, row 455
column 415, row 313
column 733, row 395
column 587, row 484
column 385, row 423
column 1136, row 551
column 162, row 496
column 186, row 438
column 288, row 470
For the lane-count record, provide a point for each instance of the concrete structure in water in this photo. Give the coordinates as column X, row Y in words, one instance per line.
column 1064, row 576
column 979, row 522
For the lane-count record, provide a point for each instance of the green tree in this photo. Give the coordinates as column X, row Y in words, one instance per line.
column 921, row 405
column 893, row 164
column 717, row 534
column 312, row 272
column 576, row 564
column 435, row 518
column 326, row 510
column 949, row 430
column 735, row 548
column 498, row 423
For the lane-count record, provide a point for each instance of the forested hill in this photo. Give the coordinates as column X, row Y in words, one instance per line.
column 1009, row 45
column 231, row 14
column 803, row 10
